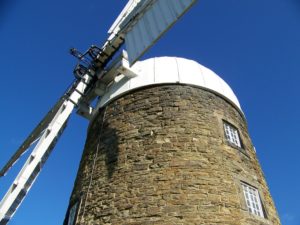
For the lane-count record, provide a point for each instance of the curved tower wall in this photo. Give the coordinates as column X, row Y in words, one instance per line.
column 160, row 155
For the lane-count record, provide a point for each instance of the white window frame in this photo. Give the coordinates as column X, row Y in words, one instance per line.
column 232, row 134
column 253, row 200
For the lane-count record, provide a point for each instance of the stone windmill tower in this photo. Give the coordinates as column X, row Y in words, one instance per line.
column 167, row 142
column 170, row 146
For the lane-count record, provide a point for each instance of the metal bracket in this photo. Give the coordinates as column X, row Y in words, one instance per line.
column 119, row 66
column 85, row 110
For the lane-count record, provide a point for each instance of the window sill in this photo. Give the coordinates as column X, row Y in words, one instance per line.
column 263, row 220
column 240, row 149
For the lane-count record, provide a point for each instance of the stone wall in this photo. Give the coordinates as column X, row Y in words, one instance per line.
column 160, row 156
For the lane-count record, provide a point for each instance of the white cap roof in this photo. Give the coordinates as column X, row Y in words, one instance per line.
column 166, row 70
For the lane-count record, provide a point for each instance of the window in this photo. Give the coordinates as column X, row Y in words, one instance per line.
column 72, row 214
column 252, row 199
column 232, row 135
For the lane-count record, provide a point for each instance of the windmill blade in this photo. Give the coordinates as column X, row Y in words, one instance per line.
column 33, row 136
column 145, row 21
column 54, row 124
column 37, row 131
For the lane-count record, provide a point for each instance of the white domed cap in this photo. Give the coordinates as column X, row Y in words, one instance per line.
column 166, row 70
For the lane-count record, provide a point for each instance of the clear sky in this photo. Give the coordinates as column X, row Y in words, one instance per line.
column 253, row 45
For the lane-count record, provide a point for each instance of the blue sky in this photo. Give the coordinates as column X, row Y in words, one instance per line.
column 253, row 45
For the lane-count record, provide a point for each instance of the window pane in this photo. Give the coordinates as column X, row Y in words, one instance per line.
column 232, row 134
column 252, row 199
column 72, row 214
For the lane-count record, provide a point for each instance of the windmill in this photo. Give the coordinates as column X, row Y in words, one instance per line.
column 96, row 68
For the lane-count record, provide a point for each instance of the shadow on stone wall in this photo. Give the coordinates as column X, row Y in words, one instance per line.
column 110, row 150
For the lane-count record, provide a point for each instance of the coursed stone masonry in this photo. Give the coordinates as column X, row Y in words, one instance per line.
column 159, row 155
